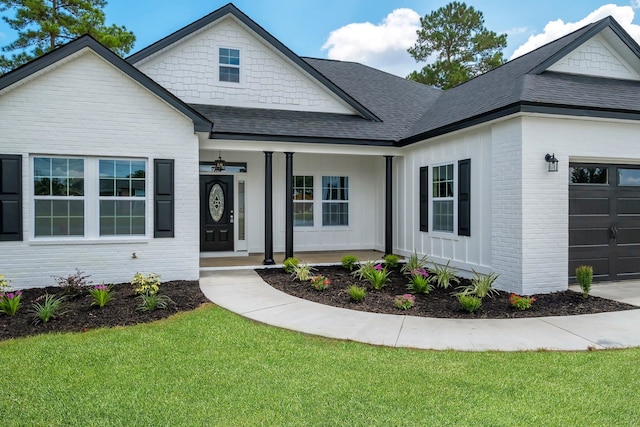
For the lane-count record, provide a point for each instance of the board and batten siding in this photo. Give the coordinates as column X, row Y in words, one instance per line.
column 464, row 252
column 85, row 107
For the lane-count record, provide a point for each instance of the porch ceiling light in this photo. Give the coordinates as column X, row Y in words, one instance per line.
column 219, row 164
column 552, row 162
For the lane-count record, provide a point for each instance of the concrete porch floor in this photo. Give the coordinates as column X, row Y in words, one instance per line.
column 255, row 260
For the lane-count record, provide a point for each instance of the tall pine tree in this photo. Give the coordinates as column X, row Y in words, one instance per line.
column 43, row 25
column 464, row 48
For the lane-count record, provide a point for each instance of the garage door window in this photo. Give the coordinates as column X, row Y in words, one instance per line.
column 588, row 175
column 628, row 177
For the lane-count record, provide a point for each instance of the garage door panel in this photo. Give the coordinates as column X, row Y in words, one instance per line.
column 600, row 266
column 629, row 206
column 589, row 206
column 628, row 236
column 628, row 266
column 589, row 237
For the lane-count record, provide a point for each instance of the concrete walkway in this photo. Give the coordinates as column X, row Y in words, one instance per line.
column 245, row 293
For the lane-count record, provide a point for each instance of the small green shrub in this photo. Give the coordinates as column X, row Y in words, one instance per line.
column 349, row 262
column 150, row 302
column 356, row 293
column 419, row 282
column 364, row 270
column 404, row 302
column 302, row 272
column 414, row 263
column 521, row 302
column 49, row 309
column 391, row 260
column 469, row 302
column 290, row 264
column 10, row 302
column 584, row 276
column 101, row 295
column 443, row 275
column 375, row 274
column 145, row 285
column 481, row 285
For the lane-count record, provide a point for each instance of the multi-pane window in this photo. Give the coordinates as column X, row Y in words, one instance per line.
column 58, row 186
column 303, row 201
column 122, row 197
column 335, row 200
column 443, row 191
column 229, row 69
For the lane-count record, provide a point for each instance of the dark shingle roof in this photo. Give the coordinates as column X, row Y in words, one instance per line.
column 396, row 101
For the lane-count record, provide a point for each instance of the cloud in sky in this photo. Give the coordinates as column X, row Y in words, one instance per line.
column 558, row 28
column 382, row 46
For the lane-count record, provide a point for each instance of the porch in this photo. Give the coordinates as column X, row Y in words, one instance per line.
column 255, row 260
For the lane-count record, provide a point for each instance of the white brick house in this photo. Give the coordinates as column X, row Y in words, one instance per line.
column 109, row 165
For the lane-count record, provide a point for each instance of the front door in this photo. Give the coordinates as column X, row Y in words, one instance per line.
column 216, row 213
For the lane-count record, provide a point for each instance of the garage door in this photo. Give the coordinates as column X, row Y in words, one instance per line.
column 604, row 220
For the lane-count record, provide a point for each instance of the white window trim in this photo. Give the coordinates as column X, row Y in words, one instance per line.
column 241, row 83
column 442, row 233
column 318, row 202
column 91, row 202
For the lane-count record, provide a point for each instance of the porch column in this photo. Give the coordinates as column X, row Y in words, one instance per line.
column 388, row 208
column 288, row 249
column 268, row 209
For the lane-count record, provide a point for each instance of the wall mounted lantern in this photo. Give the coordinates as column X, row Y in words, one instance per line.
column 219, row 164
column 552, row 162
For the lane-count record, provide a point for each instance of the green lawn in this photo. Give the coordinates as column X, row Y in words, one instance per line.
column 211, row 367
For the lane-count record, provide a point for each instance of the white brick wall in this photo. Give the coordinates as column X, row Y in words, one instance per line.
column 85, row 107
column 267, row 78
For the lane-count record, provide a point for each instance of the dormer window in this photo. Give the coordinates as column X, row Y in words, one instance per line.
column 229, row 65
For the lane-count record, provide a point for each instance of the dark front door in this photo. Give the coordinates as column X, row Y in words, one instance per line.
column 604, row 220
column 216, row 213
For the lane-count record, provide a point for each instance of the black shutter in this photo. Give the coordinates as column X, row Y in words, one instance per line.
column 164, row 198
column 10, row 198
column 424, row 198
column 464, row 197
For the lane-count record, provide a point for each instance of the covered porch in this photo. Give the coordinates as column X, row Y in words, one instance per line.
column 255, row 260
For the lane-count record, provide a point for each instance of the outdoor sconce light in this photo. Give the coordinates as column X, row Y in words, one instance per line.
column 219, row 164
column 552, row 162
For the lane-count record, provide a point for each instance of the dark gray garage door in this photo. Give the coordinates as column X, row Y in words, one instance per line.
column 604, row 220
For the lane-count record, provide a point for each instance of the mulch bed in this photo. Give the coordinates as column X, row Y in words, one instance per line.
column 80, row 316
column 438, row 303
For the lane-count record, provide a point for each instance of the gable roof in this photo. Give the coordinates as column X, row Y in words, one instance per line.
column 524, row 85
column 230, row 9
column 396, row 101
column 201, row 123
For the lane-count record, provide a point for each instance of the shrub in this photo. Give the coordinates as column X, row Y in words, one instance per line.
column 521, row 302
column 49, row 309
column 320, row 283
column 302, row 272
column 145, row 285
column 101, row 295
column 377, row 275
column 391, row 260
column 73, row 283
column 414, row 263
column 364, row 271
column 419, row 281
column 469, row 302
column 10, row 302
column 584, row 276
column 481, row 285
column 290, row 264
column 4, row 285
column 356, row 293
column 349, row 262
column 443, row 275
column 404, row 302
column 150, row 302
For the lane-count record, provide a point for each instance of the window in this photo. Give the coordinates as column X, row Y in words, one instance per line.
column 628, row 177
column 229, row 60
column 89, row 197
column 585, row 175
column 122, row 197
column 443, row 197
column 335, row 200
column 58, row 186
column 303, row 201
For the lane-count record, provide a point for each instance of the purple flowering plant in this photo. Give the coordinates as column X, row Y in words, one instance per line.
column 419, row 281
column 404, row 302
column 10, row 302
column 101, row 295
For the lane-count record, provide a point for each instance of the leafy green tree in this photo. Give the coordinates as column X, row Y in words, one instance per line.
column 43, row 25
column 464, row 47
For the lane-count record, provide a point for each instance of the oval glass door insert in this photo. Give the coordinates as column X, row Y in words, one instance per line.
column 216, row 202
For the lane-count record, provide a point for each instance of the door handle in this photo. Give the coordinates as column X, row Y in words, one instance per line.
column 613, row 232
column 231, row 216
